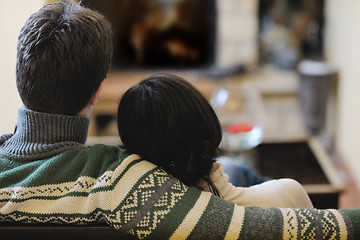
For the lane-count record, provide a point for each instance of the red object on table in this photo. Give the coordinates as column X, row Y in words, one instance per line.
column 239, row 127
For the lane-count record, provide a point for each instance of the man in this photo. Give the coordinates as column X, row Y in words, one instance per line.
column 47, row 175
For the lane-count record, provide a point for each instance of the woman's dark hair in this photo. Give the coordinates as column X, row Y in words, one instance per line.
column 64, row 52
column 168, row 122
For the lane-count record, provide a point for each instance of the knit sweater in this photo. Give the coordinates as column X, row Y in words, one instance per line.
column 285, row 192
column 105, row 184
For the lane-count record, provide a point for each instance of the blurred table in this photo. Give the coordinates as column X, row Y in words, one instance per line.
column 278, row 87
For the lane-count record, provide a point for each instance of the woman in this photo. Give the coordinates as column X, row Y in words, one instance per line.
column 168, row 122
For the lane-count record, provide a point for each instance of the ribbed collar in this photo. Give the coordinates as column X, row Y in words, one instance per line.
column 43, row 135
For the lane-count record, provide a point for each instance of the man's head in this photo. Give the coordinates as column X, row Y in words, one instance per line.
column 64, row 53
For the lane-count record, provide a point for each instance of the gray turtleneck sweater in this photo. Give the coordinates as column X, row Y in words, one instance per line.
column 42, row 135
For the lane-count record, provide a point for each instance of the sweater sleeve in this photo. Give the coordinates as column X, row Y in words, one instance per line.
column 181, row 212
column 286, row 193
column 211, row 217
column 154, row 205
column 148, row 203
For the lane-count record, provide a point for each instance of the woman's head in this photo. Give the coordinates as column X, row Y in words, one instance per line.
column 167, row 121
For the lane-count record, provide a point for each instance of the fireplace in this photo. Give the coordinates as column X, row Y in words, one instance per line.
column 221, row 35
column 158, row 34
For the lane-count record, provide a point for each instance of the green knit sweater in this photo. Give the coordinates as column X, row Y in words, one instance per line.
column 105, row 184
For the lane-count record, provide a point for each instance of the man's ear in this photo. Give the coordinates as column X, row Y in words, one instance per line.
column 94, row 98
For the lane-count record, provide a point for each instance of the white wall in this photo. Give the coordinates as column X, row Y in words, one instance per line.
column 12, row 16
column 239, row 46
column 343, row 51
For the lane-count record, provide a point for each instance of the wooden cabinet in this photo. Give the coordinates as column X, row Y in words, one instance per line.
column 308, row 163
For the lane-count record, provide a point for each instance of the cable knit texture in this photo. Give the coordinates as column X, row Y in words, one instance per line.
column 43, row 135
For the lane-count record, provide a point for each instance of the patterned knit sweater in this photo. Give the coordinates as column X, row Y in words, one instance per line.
column 105, row 184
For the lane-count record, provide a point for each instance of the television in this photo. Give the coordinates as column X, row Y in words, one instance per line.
column 160, row 34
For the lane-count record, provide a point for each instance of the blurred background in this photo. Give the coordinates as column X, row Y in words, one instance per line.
column 213, row 41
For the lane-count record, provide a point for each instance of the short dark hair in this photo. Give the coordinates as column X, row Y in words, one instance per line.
column 167, row 121
column 64, row 52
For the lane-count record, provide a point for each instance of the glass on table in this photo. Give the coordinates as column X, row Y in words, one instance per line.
column 239, row 107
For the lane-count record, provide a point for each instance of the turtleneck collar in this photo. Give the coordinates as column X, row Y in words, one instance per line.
column 43, row 135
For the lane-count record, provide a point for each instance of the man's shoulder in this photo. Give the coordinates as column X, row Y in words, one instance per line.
column 98, row 152
column 114, row 149
column 5, row 137
column 107, row 151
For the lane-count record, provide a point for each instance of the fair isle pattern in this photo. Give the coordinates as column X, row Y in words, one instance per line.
column 81, row 185
column 329, row 223
column 61, row 199
column 291, row 222
column 76, row 219
column 312, row 223
column 58, row 203
column 134, row 213
column 309, row 223
column 300, row 224
column 142, row 199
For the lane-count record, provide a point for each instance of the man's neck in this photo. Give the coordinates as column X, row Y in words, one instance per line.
column 43, row 135
column 87, row 111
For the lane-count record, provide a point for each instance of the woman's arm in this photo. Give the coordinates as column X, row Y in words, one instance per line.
column 285, row 193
